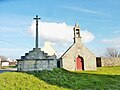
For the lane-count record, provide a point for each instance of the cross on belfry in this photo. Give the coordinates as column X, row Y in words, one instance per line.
column 36, row 18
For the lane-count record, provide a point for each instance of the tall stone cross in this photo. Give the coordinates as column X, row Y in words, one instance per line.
column 36, row 42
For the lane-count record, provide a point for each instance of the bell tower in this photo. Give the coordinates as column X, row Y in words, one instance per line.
column 77, row 38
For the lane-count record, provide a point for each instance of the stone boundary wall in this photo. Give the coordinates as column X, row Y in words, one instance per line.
column 110, row 61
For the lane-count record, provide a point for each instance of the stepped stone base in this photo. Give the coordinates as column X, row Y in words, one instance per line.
column 36, row 60
column 36, row 65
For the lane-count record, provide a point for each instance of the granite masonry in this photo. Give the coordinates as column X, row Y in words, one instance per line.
column 78, row 57
column 36, row 60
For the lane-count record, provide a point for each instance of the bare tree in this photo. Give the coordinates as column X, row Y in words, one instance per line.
column 3, row 58
column 112, row 52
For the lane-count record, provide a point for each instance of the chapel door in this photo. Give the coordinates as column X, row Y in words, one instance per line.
column 79, row 63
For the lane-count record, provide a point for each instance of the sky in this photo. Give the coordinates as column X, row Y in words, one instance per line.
column 99, row 23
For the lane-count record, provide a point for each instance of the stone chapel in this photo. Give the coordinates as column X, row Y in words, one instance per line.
column 77, row 56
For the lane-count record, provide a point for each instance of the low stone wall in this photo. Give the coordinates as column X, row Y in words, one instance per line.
column 110, row 61
column 36, row 65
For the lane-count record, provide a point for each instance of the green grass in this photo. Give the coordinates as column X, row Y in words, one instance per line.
column 104, row 70
column 23, row 81
column 13, row 66
column 105, row 78
column 6, row 67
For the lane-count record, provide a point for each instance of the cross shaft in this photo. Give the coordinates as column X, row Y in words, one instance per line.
column 36, row 42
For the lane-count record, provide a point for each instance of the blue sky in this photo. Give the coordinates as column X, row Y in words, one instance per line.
column 99, row 23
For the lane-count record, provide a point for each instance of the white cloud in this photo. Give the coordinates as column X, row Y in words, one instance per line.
column 87, row 36
column 112, row 42
column 59, row 32
column 48, row 48
column 53, row 31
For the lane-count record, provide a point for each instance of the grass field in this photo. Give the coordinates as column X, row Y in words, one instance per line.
column 105, row 78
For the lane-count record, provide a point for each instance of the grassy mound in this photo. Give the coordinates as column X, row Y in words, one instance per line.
column 23, row 81
column 105, row 78
column 85, row 80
